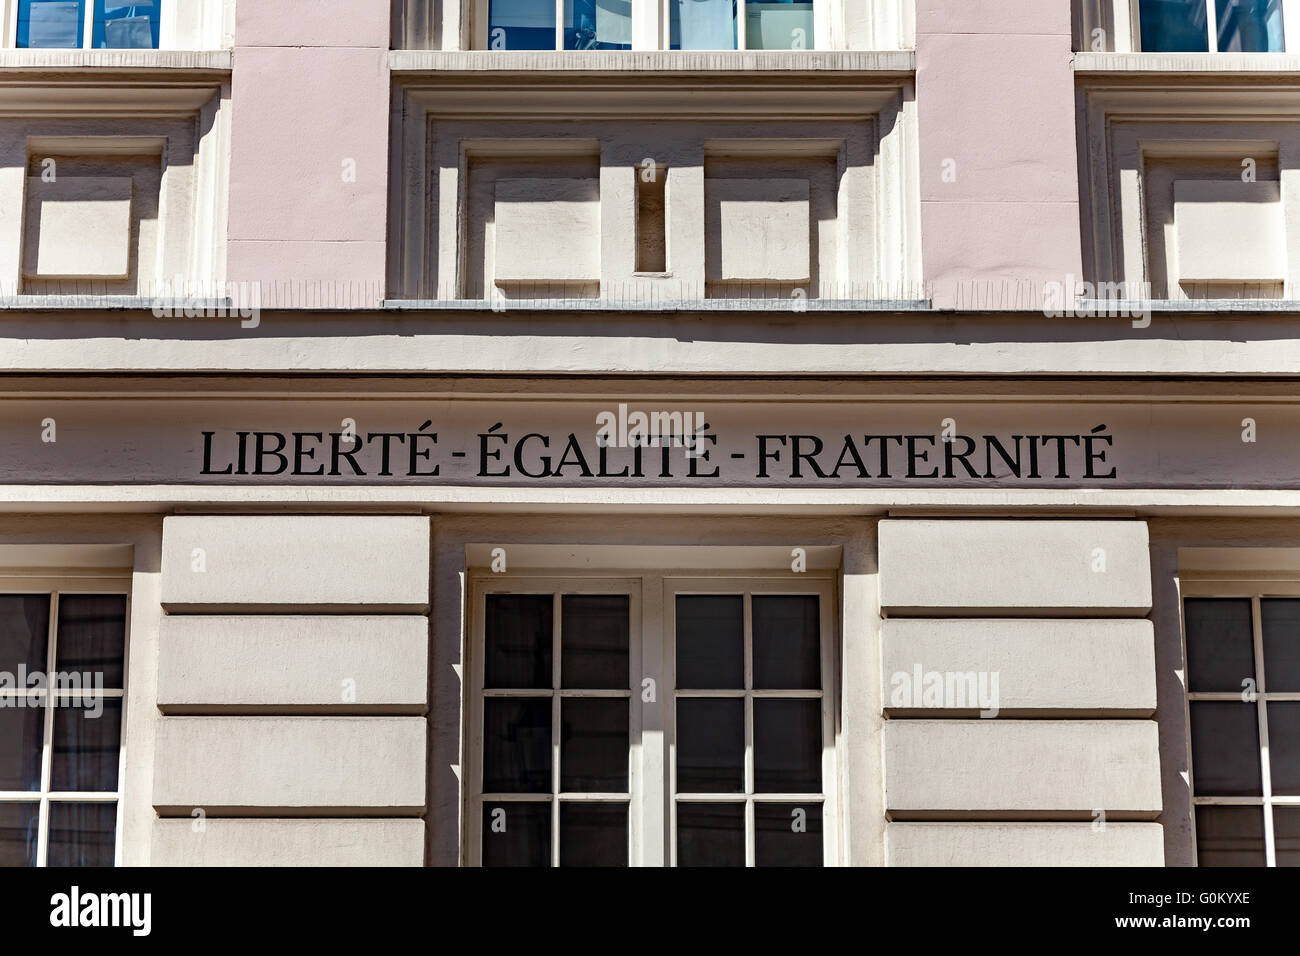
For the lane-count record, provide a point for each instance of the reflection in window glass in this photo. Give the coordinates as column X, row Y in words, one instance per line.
column 779, row 25
column 55, row 24
column 702, row 24
column 521, row 24
column 126, row 26
column 1174, row 26
column 1250, row 26
column 1229, row 836
column 598, row 24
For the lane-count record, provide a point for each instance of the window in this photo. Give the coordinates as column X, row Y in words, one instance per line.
column 740, row 24
column 609, row 24
column 560, row 24
column 64, row 24
column 62, row 674
column 1243, row 681
column 699, row 736
column 1226, row 26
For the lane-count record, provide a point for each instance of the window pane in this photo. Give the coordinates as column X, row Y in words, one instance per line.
column 593, row 745
column 18, row 829
column 1230, row 836
column 710, row 641
column 1225, row 749
column 1174, row 26
column 787, row 834
column 787, row 642
column 516, row 745
column 598, row 24
column 710, row 746
column 1286, row 835
column 21, row 730
column 1250, row 26
column 1284, row 747
column 82, row 834
column 24, row 633
column 710, row 834
column 787, row 746
column 516, row 834
column 779, row 25
column 1280, row 621
column 49, row 23
column 593, row 834
column 521, row 24
column 87, row 740
column 595, row 632
column 126, row 25
column 518, row 631
column 1220, row 643
column 92, row 637
column 702, row 24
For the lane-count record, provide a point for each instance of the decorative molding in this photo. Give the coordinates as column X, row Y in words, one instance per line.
column 102, row 61
column 712, row 63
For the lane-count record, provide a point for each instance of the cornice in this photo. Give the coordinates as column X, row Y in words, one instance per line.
column 641, row 62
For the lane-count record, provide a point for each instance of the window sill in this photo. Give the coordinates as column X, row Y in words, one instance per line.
column 64, row 61
column 1201, row 63
column 642, row 61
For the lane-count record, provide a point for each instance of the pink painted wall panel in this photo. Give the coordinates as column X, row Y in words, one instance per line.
column 996, row 113
column 309, row 144
column 358, row 23
column 993, row 16
column 312, row 274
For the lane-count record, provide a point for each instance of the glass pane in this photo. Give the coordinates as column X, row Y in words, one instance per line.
column 516, row 834
column 1250, row 26
column 1280, row 622
column 24, row 635
column 126, row 25
column 516, row 745
column 1230, row 836
column 595, row 632
column 518, row 638
column 702, row 24
column 787, row 746
column 82, row 834
column 521, row 24
column 710, row 834
column 1225, row 749
column 1174, row 26
column 710, row 746
column 593, row 745
column 1220, row 643
column 787, row 642
column 598, row 24
column 787, row 834
column 22, row 725
column 92, row 638
column 593, row 834
column 710, row 641
column 19, row 823
column 1284, row 747
column 87, row 739
column 1286, row 835
column 779, row 25
column 50, row 23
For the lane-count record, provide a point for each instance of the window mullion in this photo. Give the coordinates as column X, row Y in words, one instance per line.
column 88, row 24
column 556, row 616
column 559, row 24
column 742, row 42
column 1261, row 713
column 748, row 618
column 47, row 734
column 1212, row 25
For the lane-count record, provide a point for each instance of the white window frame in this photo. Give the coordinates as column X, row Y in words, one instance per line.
column 53, row 587
column 651, row 25
column 1255, row 591
column 1128, row 26
column 652, row 773
column 823, row 589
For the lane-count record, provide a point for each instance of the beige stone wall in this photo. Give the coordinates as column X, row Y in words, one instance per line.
column 1042, row 619
column 292, row 737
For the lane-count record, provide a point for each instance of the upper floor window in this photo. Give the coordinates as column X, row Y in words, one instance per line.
column 77, row 24
column 1225, row 26
column 681, row 24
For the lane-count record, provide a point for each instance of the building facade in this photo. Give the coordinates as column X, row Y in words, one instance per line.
column 650, row 432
